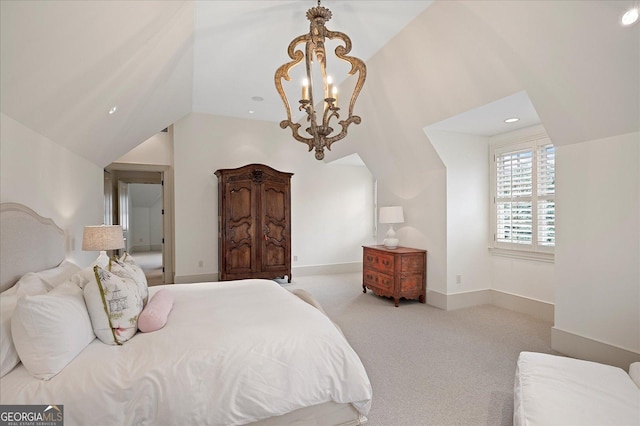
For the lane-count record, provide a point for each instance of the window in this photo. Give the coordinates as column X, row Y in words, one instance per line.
column 523, row 196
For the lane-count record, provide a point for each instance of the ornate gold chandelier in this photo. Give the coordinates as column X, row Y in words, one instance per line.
column 321, row 134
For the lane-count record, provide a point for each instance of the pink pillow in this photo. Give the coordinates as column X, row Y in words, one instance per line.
column 154, row 316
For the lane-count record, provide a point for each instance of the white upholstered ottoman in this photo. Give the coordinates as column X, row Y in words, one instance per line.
column 556, row 390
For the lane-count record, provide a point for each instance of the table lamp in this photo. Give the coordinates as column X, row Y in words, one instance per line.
column 102, row 238
column 391, row 215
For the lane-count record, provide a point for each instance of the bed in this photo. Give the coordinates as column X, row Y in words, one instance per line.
column 236, row 352
column 557, row 390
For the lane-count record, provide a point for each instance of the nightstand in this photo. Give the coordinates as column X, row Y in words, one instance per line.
column 396, row 273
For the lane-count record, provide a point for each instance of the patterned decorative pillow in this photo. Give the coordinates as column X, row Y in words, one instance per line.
column 127, row 261
column 114, row 304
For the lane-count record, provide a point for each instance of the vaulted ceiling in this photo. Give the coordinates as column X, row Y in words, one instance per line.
column 66, row 64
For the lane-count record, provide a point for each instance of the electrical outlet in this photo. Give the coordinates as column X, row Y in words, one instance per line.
column 200, row 263
column 295, row 258
column 458, row 279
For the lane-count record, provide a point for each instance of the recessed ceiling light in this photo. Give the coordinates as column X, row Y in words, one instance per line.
column 511, row 120
column 630, row 17
column 251, row 111
column 258, row 98
column 113, row 110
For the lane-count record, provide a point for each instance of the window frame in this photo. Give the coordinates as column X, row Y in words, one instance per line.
column 528, row 139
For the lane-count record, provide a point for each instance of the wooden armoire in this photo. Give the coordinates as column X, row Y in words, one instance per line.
column 254, row 223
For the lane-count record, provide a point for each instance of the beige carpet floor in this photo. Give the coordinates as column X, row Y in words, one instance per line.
column 428, row 366
column 151, row 264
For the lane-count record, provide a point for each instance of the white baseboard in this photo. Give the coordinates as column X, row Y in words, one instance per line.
column 588, row 349
column 468, row 299
column 200, row 278
column 337, row 268
column 449, row 302
column 536, row 308
column 301, row 271
column 436, row 299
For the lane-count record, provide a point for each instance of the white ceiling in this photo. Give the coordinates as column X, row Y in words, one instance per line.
column 240, row 44
column 64, row 64
column 488, row 120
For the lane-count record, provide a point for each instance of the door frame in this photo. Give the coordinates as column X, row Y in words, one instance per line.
column 147, row 173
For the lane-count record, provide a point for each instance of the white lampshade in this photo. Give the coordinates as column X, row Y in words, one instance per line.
column 392, row 214
column 102, row 238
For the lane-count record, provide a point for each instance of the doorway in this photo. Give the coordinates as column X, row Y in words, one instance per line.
column 144, row 232
column 141, row 203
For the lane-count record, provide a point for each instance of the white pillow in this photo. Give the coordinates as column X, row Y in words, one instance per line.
column 50, row 330
column 8, row 355
column 29, row 285
column 82, row 277
column 138, row 274
column 114, row 305
column 55, row 276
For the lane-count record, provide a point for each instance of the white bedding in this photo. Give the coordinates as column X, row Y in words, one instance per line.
column 231, row 353
column 555, row 390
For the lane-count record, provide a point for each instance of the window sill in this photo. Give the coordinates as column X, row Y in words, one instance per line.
column 524, row 255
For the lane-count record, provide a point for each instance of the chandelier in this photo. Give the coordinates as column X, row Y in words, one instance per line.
column 320, row 103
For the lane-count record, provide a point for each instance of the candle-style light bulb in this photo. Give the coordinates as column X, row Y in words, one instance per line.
column 305, row 89
column 329, row 87
column 334, row 95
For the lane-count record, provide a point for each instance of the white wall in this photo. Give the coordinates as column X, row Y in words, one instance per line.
column 140, row 229
column 331, row 214
column 147, row 227
column 157, row 150
column 532, row 279
column 598, row 249
column 155, row 225
column 466, row 160
column 53, row 181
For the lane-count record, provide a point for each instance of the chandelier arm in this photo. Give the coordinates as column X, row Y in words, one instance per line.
column 283, row 71
column 294, row 131
column 344, row 124
column 357, row 65
column 329, row 112
column 311, row 109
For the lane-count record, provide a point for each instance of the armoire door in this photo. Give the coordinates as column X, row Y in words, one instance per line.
column 275, row 222
column 240, row 227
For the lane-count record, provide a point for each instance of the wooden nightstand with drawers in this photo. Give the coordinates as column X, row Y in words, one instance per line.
column 396, row 273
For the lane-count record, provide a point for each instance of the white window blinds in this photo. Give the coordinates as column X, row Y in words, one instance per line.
column 524, row 197
column 546, row 205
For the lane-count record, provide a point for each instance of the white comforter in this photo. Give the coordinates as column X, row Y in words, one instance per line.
column 231, row 353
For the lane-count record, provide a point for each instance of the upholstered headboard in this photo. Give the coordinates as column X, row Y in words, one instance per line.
column 28, row 242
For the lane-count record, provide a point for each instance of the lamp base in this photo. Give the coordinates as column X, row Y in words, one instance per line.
column 102, row 260
column 391, row 243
